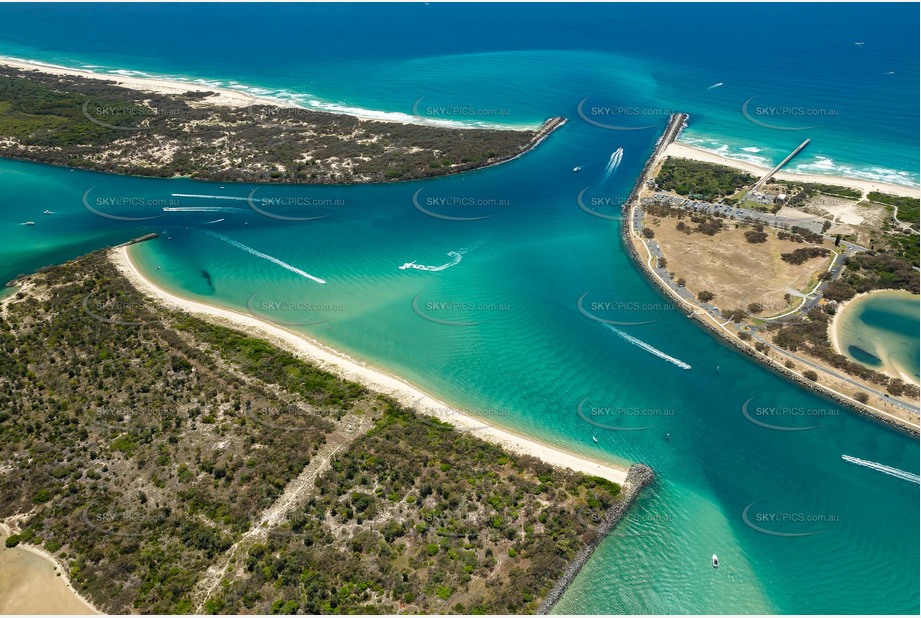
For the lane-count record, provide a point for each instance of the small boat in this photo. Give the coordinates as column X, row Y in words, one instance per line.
column 577, row 168
column 48, row 212
column 668, row 437
column 716, row 562
column 29, row 223
column 595, row 439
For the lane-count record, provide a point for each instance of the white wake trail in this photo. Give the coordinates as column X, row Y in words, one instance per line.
column 264, row 256
column 613, row 163
column 227, row 209
column 456, row 257
column 211, row 197
column 642, row 344
column 901, row 474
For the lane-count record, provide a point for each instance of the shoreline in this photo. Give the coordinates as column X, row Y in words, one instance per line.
column 230, row 97
column 639, row 477
column 376, row 380
column 630, row 237
column 708, row 323
column 7, row 530
column 686, row 151
column 888, row 367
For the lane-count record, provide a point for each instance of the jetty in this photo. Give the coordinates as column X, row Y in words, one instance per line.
column 766, row 177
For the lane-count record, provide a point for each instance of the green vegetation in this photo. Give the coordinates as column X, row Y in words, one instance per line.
column 144, row 443
column 809, row 335
column 908, row 206
column 806, row 190
column 756, row 236
column 799, row 256
column 94, row 124
column 873, row 270
column 709, row 180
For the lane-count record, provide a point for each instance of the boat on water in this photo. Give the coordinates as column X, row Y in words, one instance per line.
column 716, row 562
column 29, row 223
column 48, row 212
column 577, row 168
column 595, row 439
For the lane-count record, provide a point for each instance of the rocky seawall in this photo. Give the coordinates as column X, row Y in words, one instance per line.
column 637, row 477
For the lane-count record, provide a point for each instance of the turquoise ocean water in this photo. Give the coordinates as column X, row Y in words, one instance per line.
column 797, row 528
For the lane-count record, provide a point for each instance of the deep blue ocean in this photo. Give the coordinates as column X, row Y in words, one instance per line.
column 797, row 528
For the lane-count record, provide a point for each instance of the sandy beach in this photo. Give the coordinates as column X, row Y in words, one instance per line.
column 30, row 584
column 889, row 367
column 372, row 378
column 684, row 151
column 241, row 98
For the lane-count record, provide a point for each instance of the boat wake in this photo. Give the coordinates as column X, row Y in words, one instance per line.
column 227, row 209
column 456, row 257
column 645, row 346
column 901, row 474
column 265, row 256
column 613, row 164
column 211, row 197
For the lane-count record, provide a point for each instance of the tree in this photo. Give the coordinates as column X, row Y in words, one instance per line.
column 648, row 233
column 809, row 374
column 756, row 237
column 705, row 296
column 662, row 262
column 755, row 308
column 681, row 282
column 862, row 397
column 895, row 387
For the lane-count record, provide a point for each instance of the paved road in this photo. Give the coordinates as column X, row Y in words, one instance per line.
column 741, row 214
column 812, row 300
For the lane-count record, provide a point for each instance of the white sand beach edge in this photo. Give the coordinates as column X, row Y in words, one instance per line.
column 376, row 380
column 41, row 591
column 889, row 367
column 240, row 98
column 684, row 151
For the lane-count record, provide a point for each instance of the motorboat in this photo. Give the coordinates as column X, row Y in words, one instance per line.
column 716, row 562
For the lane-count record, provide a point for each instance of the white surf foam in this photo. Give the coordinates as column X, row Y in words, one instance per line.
column 902, row 474
column 645, row 346
column 265, row 256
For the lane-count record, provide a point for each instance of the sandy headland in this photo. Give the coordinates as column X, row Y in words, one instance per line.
column 372, row 378
column 684, row 151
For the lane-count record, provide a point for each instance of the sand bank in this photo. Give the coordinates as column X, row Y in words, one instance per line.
column 372, row 378
column 30, row 584
column 685, row 151
column 889, row 366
